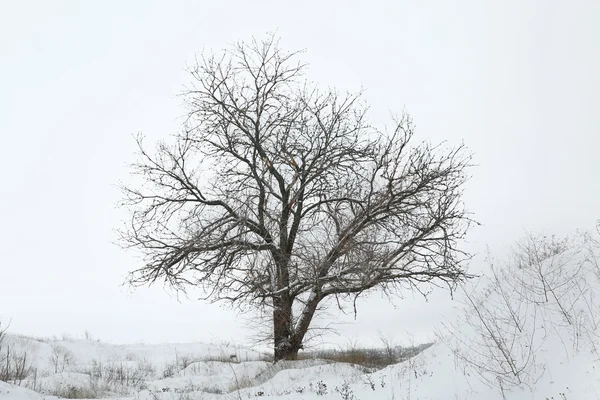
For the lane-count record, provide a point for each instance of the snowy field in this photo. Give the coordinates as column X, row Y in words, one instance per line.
column 529, row 331
column 138, row 372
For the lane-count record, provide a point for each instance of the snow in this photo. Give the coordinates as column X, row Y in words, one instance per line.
column 564, row 364
column 433, row 374
column 12, row 392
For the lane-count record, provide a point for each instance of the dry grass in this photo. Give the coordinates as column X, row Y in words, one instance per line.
column 74, row 393
column 371, row 358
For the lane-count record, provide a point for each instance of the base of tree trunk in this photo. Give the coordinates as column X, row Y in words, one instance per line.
column 285, row 355
column 284, row 350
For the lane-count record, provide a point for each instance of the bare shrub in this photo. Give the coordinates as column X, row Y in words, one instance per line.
column 2, row 344
column 170, row 369
column 61, row 358
column 73, row 392
column 15, row 361
column 389, row 347
column 548, row 289
column 119, row 377
column 66, row 337
column 500, row 349
column 186, row 360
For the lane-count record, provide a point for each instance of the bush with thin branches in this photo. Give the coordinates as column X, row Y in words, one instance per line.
column 547, row 290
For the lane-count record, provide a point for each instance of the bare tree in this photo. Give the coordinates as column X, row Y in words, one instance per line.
column 278, row 195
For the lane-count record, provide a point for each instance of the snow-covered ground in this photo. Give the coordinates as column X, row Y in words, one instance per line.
column 529, row 330
column 433, row 374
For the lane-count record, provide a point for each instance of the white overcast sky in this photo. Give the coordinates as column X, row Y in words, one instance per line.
column 517, row 81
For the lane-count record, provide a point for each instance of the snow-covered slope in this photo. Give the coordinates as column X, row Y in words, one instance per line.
column 12, row 392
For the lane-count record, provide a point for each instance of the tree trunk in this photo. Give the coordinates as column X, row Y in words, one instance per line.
column 289, row 339
column 285, row 347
